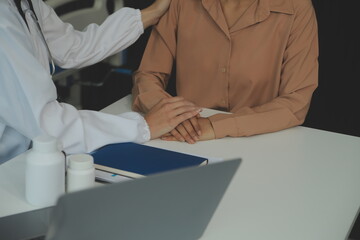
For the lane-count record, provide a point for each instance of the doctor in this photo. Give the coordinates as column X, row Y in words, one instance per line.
column 31, row 37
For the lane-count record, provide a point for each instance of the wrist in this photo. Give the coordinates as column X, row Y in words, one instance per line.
column 207, row 130
column 150, row 16
column 150, row 130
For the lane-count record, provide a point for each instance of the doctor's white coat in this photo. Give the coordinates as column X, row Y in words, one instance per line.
column 28, row 105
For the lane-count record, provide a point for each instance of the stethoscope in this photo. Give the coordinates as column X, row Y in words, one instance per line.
column 31, row 12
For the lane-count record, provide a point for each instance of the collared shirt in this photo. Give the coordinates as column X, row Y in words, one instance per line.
column 263, row 69
column 28, row 105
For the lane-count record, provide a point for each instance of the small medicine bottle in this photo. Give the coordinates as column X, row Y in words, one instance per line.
column 80, row 173
column 45, row 172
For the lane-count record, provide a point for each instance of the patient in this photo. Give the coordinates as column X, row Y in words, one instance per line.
column 254, row 58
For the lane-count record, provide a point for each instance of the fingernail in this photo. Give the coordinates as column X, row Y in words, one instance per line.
column 199, row 132
column 183, row 140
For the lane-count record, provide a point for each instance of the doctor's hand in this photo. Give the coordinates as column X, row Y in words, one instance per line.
column 152, row 14
column 161, row 5
column 169, row 113
column 207, row 131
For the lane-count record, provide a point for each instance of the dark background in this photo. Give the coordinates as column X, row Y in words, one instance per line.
column 335, row 104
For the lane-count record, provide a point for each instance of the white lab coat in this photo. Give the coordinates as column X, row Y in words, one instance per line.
column 28, row 105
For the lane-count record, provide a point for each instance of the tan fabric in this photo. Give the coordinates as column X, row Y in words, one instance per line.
column 264, row 69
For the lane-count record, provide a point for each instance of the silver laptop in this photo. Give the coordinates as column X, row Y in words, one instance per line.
column 173, row 205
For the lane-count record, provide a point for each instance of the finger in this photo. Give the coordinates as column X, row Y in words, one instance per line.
column 190, row 129
column 176, row 105
column 165, row 101
column 166, row 135
column 188, row 138
column 184, row 109
column 182, row 117
column 182, row 106
column 175, row 133
column 172, row 99
column 169, row 138
column 195, row 123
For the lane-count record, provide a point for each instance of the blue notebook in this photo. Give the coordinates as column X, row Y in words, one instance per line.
column 135, row 160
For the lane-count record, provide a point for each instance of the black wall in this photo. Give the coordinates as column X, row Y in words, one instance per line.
column 335, row 104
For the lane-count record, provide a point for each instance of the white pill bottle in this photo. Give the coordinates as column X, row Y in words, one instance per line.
column 80, row 173
column 45, row 172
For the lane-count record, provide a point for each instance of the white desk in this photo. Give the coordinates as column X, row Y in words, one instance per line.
column 299, row 183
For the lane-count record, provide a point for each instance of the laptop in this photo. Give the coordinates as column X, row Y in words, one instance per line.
column 172, row 205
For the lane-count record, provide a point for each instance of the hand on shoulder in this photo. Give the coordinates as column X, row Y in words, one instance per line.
column 152, row 14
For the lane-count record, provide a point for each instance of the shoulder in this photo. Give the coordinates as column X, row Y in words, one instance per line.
column 11, row 31
column 290, row 6
column 179, row 4
column 6, row 13
column 301, row 5
column 178, row 7
column 8, row 19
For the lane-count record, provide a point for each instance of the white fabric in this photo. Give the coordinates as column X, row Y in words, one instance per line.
column 28, row 105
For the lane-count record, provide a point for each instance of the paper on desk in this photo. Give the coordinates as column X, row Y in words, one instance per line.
column 109, row 177
column 211, row 160
column 114, row 178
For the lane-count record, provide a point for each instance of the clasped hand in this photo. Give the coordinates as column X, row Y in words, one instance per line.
column 192, row 130
column 176, row 119
column 169, row 113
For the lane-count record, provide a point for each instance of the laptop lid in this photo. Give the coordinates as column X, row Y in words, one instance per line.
column 173, row 205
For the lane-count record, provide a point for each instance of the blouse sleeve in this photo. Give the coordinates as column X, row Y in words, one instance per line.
column 299, row 79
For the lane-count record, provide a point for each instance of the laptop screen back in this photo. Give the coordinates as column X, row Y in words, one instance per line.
column 172, row 205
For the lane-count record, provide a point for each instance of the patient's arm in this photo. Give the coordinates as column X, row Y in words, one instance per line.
column 151, row 79
column 299, row 78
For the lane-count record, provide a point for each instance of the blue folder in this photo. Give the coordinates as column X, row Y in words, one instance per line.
column 136, row 160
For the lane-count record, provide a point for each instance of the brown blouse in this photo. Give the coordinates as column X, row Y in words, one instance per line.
column 263, row 69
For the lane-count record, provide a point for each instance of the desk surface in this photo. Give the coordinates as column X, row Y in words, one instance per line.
column 300, row 183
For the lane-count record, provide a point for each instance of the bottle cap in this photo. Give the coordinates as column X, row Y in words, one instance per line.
column 45, row 143
column 81, row 161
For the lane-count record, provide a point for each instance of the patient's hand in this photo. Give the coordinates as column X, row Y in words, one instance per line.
column 206, row 132
column 188, row 131
column 169, row 113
